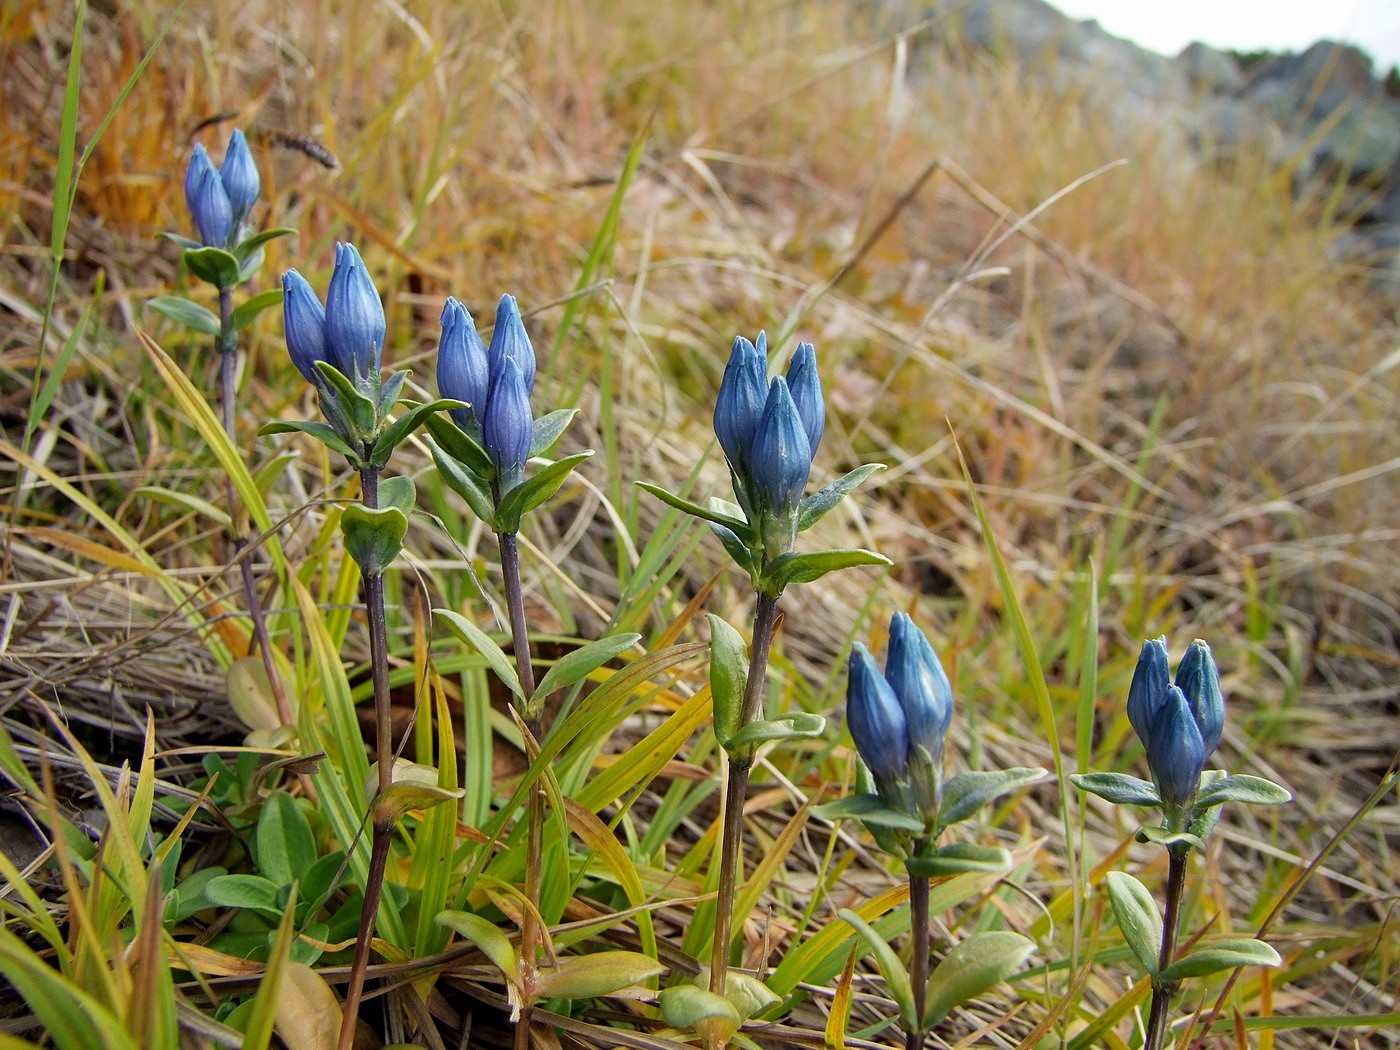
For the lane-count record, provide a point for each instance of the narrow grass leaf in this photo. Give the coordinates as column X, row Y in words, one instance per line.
column 188, row 501
column 71, row 1017
column 597, row 837
column 265, row 1000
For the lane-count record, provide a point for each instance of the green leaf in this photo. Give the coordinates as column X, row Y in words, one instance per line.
column 896, row 977
column 738, row 526
column 689, row 1008
column 360, row 410
column 494, row 655
column 1118, row 788
column 870, row 809
column 1255, row 791
column 399, row 492
column 391, row 390
column 1224, row 955
column 190, row 314
column 729, row 674
column 749, row 995
column 373, row 537
column 199, row 506
column 956, row 858
column 820, row 503
column 251, row 265
column 590, row 976
column 494, row 944
column 321, row 879
column 966, row 793
column 1172, row 839
column 285, row 847
column 320, row 431
column 1137, row 917
column 798, row 724
column 461, row 446
column 400, row 797
column 534, row 490
column 795, row 567
column 548, row 429
column 973, row 967
column 213, row 265
column 397, row 432
column 461, row 480
column 247, row 312
column 577, row 665
column 187, row 243
column 743, row 557
column 244, row 249
column 246, row 891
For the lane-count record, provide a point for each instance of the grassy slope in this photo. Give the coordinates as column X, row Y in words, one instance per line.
column 478, row 145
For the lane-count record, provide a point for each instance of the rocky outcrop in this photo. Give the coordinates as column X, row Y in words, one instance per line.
column 1324, row 112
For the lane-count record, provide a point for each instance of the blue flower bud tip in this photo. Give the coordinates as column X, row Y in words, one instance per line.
column 510, row 340
column 304, row 321
column 739, row 406
column 919, row 681
column 462, row 370
column 1175, row 751
column 1179, row 723
column 806, row 388
column 207, row 200
column 355, row 324
column 239, row 174
column 875, row 718
column 508, row 426
column 781, row 459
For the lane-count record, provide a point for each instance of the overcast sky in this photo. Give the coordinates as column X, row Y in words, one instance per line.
column 1249, row 25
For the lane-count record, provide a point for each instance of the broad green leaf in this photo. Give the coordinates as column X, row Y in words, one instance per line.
column 729, row 675
column 453, row 440
column 398, row 492
column 548, row 429
column 326, row 435
column 397, row 432
column 896, row 977
column 246, row 891
column 494, row 944
column 251, row 265
column 693, row 1009
column 470, row 486
column 213, row 265
column 492, row 653
column 1118, row 788
column 869, row 809
column 735, row 525
column 973, row 967
column 321, row 879
column 373, row 537
column 966, row 793
column 199, row 506
column 804, row 567
column 534, row 490
column 798, row 724
column 579, row 664
column 1137, row 917
column 590, row 976
column 1219, row 956
column 246, row 313
column 1255, row 791
column 820, row 503
column 244, row 249
column 285, row 846
column 391, row 391
column 187, row 243
column 190, row 314
column 958, row 858
column 749, row 995
column 1172, row 839
column 401, row 797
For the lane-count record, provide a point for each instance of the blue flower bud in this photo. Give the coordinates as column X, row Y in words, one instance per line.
column 508, row 426
column 806, row 387
column 208, row 200
column 1148, row 691
column 919, row 681
column 304, row 321
column 876, row 720
column 240, row 178
column 1175, row 751
column 1199, row 681
column 780, row 459
column 739, row 406
column 354, row 316
column 510, row 340
column 462, row 371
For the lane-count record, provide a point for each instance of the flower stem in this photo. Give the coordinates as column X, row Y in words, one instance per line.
column 736, row 786
column 533, row 717
column 1163, row 991
column 382, row 826
column 918, row 964
column 227, row 345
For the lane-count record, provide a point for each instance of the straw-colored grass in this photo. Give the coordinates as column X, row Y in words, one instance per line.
column 1165, row 374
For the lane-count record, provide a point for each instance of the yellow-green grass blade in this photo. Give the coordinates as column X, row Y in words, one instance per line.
column 264, row 1012
column 435, row 837
column 598, row 837
column 72, row 1019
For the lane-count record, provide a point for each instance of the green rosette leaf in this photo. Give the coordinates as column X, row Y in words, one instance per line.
column 190, row 314
column 816, row 506
column 535, row 490
column 1118, row 788
column 966, row 793
column 373, row 537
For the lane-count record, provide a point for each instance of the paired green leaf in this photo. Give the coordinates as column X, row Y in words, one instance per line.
column 1118, row 788
column 869, row 809
column 973, row 967
column 958, row 858
column 590, row 976
column 461, row 446
column 492, row 653
column 373, row 537
column 213, row 265
column 896, row 977
column 729, row 675
column 244, row 250
column 323, row 433
column 1220, row 956
column 246, row 313
column 689, row 1008
column 1255, row 791
column 464, row 482
column 804, row 567
column 738, row 526
column 820, row 503
column 534, row 490
column 397, row 432
column 190, row 314
column 793, row 726
column 360, row 410
column 1137, row 917
column 966, row 793
column 575, row 666
column 548, row 429
column 494, row 944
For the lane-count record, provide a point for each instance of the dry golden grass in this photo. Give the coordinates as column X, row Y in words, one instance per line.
column 809, row 171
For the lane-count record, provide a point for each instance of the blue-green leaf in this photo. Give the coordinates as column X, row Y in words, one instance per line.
column 183, row 311
column 1242, row 788
column 973, row 967
column 548, row 429
column 966, row 793
column 1137, row 917
column 534, row 490
column 247, row 312
column 492, row 653
column 577, row 665
column 1223, row 955
column 373, row 537
column 1118, row 788
column 820, row 503
column 793, row 726
column 804, row 567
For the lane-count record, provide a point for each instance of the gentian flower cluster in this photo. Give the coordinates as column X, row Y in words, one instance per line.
column 1179, row 723
column 769, row 431
column 899, row 720
column 494, row 383
column 347, row 333
column 221, row 199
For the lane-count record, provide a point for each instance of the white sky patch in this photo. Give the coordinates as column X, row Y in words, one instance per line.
column 1167, row 26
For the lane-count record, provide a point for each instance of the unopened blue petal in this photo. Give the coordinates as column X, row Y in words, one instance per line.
column 1199, row 680
column 875, row 718
column 462, row 371
column 781, row 460
column 510, row 340
column 806, row 387
column 919, row 681
column 304, row 323
column 1148, row 691
column 354, row 316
